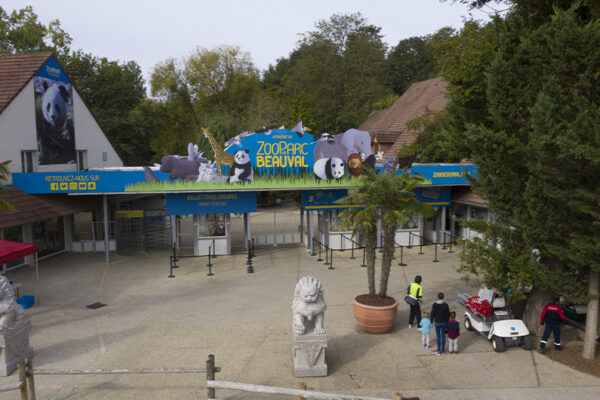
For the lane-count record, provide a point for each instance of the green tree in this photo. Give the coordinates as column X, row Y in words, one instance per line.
column 411, row 60
column 390, row 198
column 4, row 173
column 339, row 69
column 21, row 32
column 112, row 90
column 210, row 88
column 537, row 144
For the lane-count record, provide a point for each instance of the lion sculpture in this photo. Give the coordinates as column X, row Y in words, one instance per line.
column 308, row 306
column 9, row 309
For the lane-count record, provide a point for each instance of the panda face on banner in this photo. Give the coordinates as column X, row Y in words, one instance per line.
column 54, row 121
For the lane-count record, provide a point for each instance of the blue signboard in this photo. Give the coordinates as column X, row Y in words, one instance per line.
column 321, row 200
column 435, row 197
column 84, row 182
column 210, row 203
column 51, row 70
column 446, row 174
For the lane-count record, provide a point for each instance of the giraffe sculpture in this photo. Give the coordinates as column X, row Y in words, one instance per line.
column 221, row 157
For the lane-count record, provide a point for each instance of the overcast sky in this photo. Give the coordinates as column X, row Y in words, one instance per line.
column 151, row 31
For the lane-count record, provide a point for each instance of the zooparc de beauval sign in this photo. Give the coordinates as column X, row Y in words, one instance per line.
column 278, row 159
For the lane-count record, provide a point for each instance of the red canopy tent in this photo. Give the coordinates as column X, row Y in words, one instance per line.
column 10, row 251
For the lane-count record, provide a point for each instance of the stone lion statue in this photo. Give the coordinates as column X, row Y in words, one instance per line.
column 308, row 306
column 9, row 309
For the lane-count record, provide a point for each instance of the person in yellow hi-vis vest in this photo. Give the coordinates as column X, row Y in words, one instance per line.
column 416, row 292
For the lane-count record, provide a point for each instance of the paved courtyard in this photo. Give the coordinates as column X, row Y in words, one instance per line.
column 245, row 321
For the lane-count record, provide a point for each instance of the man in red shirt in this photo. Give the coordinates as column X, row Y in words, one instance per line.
column 553, row 317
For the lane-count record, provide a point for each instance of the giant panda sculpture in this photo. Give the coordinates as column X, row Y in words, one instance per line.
column 329, row 168
column 241, row 170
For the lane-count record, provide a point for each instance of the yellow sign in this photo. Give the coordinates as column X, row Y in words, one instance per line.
column 129, row 213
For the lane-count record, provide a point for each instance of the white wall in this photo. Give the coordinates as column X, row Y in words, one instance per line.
column 89, row 136
column 17, row 128
column 18, row 133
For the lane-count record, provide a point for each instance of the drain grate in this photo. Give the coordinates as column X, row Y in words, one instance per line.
column 95, row 305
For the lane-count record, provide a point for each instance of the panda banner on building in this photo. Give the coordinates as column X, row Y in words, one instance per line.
column 53, row 95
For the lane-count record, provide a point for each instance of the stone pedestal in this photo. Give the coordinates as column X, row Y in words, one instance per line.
column 14, row 346
column 309, row 355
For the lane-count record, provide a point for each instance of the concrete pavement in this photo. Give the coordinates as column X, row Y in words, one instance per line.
column 245, row 321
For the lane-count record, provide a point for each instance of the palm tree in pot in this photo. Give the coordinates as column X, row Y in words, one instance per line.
column 391, row 198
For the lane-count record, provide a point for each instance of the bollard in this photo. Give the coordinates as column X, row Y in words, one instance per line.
column 409, row 240
column 331, row 260
column 352, row 256
column 326, row 256
column 319, row 259
column 421, row 247
column 436, row 258
column 401, row 263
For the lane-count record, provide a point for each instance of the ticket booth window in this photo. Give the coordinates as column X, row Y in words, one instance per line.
column 336, row 221
column 210, row 225
column 412, row 223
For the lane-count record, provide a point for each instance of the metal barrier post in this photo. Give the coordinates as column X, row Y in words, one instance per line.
column 436, row 258
column 443, row 241
column 174, row 257
column 312, row 248
column 409, row 240
column 253, row 253
column 421, row 246
column 319, row 259
column 214, row 249
column 401, row 263
column 352, row 256
column 250, row 268
column 331, row 260
column 326, row 256
column 171, row 267
column 451, row 240
column 209, row 265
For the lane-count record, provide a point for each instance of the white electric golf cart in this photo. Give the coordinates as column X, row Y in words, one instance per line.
column 500, row 328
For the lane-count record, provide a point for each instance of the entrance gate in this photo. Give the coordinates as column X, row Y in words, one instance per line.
column 275, row 228
column 143, row 234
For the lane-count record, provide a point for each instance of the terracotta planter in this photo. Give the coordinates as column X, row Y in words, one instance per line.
column 373, row 319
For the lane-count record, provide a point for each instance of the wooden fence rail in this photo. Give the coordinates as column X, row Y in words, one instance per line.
column 308, row 394
column 27, row 373
column 119, row 371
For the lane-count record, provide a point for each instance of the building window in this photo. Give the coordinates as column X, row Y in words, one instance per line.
column 81, row 160
column 27, row 158
column 49, row 235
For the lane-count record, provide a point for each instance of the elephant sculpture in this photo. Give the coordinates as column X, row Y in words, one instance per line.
column 344, row 144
